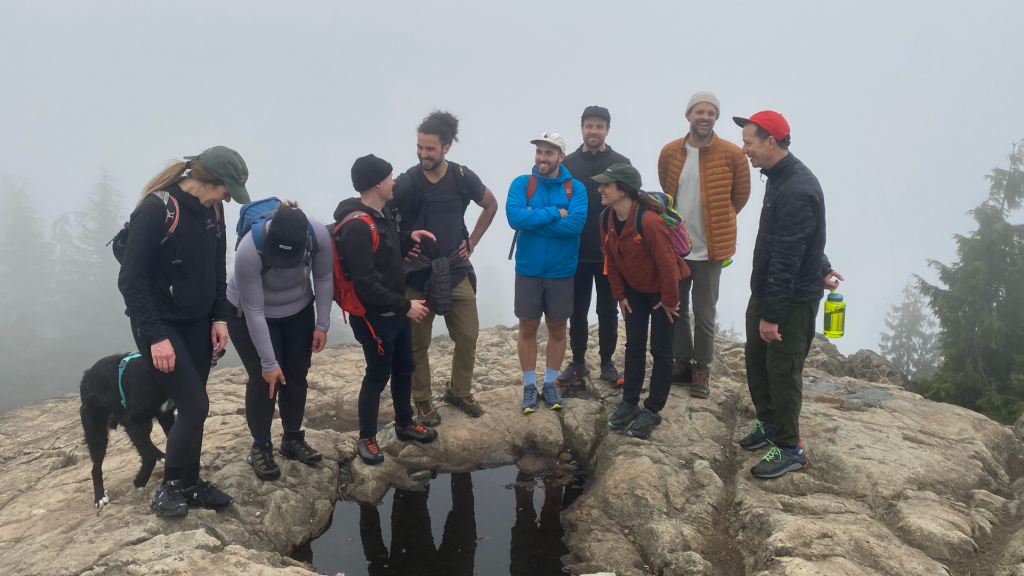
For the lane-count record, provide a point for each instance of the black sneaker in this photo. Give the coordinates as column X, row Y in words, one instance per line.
column 779, row 461
column 574, row 372
column 416, row 432
column 611, row 375
column 295, row 448
column 760, row 435
column 623, row 415
column 369, row 451
column 169, row 500
column 644, row 424
column 261, row 458
column 207, row 495
column 682, row 372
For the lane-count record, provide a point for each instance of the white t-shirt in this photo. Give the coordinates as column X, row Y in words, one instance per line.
column 690, row 205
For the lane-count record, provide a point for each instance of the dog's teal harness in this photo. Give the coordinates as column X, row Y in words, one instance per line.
column 120, row 372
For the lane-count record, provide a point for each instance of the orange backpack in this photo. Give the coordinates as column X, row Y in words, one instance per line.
column 344, row 291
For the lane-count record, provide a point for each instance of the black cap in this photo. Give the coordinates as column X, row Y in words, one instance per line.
column 369, row 171
column 597, row 111
column 286, row 239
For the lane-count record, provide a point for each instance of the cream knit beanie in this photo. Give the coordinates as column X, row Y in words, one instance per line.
column 700, row 97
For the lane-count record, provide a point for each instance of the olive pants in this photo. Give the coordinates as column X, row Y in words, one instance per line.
column 463, row 328
column 775, row 370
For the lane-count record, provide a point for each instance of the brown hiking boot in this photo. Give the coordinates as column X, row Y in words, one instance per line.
column 469, row 405
column 701, row 386
column 426, row 414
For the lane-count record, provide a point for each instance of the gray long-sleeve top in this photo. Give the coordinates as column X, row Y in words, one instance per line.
column 281, row 292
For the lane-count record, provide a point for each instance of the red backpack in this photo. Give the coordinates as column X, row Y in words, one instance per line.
column 344, row 292
column 531, row 189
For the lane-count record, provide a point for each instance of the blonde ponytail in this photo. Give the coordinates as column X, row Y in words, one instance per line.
column 175, row 173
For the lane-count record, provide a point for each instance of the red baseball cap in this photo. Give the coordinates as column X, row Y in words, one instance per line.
column 772, row 122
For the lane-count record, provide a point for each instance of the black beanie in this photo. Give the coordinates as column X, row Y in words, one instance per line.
column 369, row 171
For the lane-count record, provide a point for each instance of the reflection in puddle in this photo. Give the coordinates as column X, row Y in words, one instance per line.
column 489, row 523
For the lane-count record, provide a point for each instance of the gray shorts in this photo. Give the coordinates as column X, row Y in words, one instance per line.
column 551, row 297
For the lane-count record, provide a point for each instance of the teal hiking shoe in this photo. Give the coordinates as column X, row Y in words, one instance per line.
column 623, row 415
column 779, row 461
column 760, row 435
column 529, row 403
column 644, row 424
column 552, row 399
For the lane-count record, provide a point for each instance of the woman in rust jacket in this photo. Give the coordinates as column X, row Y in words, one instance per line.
column 644, row 274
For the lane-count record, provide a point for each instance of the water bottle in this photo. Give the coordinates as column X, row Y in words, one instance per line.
column 835, row 315
column 727, row 262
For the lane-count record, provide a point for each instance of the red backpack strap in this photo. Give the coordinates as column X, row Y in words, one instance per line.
column 367, row 219
column 172, row 214
column 568, row 188
column 531, row 188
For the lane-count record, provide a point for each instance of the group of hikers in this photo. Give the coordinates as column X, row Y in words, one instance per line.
column 398, row 254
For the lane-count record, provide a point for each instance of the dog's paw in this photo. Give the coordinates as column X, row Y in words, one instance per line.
column 103, row 501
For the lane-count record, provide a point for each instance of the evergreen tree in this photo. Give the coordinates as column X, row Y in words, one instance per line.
column 911, row 343
column 981, row 306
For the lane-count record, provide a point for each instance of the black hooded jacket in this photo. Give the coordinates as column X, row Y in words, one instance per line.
column 789, row 255
column 583, row 165
column 181, row 280
column 378, row 277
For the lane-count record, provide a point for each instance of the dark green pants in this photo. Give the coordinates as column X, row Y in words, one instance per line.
column 775, row 370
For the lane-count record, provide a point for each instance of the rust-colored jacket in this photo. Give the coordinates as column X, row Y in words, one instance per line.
column 649, row 267
column 724, row 188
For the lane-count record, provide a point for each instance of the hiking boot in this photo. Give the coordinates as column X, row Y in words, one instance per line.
column 169, row 501
column 529, row 403
column 644, row 424
column 778, row 461
column 207, row 495
column 261, row 458
column 623, row 415
column 369, row 451
column 468, row 405
column 682, row 372
column 760, row 434
column 574, row 372
column 426, row 414
column 295, row 448
column 416, row 432
column 611, row 375
column 551, row 398
column 701, row 385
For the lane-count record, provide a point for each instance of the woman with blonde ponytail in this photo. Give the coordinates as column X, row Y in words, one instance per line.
column 174, row 283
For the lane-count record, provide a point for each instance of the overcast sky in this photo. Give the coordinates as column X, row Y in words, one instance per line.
column 899, row 108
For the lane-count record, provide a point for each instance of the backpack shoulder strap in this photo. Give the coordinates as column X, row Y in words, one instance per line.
column 567, row 184
column 460, row 183
column 367, row 219
column 312, row 245
column 638, row 223
column 171, row 205
column 603, row 222
column 531, row 188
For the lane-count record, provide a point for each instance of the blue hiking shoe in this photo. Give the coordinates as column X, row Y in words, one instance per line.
column 760, row 435
column 645, row 423
column 779, row 461
column 623, row 416
column 529, row 403
column 552, row 399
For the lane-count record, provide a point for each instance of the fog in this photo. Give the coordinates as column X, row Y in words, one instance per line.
column 900, row 109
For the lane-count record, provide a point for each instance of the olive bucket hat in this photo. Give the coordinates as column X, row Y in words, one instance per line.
column 228, row 166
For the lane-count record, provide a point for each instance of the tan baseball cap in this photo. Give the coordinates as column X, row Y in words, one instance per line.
column 553, row 138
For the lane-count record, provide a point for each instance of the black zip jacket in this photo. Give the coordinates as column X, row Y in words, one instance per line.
column 181, row 280
column 378, row 277
column 582, row 165
column 789, row 255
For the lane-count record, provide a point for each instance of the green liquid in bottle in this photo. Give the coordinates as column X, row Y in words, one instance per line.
column 835, row 315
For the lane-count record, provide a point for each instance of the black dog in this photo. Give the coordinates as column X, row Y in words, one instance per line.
column 102, row 411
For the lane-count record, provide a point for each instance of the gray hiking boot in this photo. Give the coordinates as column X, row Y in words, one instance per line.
column 623, row 416
column 574, row 372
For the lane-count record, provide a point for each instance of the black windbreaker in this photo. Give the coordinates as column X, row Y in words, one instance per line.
column 181, row 280
column 582, row 165
column 377, row 277
column 789, row 255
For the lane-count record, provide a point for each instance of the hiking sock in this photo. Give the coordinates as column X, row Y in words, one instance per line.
column 172, row 473
column 529, row 378
column 190, row 474
column 292, row 435
column 549, row 376
column 261, row 441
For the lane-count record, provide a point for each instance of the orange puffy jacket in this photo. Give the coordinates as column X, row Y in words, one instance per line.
column 724, row 188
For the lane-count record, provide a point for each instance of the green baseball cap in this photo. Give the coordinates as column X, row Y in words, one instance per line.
column 228, row 166
column 620, row 173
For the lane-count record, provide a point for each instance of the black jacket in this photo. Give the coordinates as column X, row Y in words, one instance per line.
column 181, row 280
column 789, row 255
column 582, row 165
column 378, row 277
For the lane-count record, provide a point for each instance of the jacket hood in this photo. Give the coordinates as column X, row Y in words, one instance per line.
column 350, row 205
column 563, row 175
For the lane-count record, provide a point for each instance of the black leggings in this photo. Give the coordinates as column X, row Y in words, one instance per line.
column 186, row 385
column 292, row 338
column 662, row 334
column 395, row 364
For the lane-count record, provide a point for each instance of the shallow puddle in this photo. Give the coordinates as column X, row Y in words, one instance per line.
column 492, row 522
